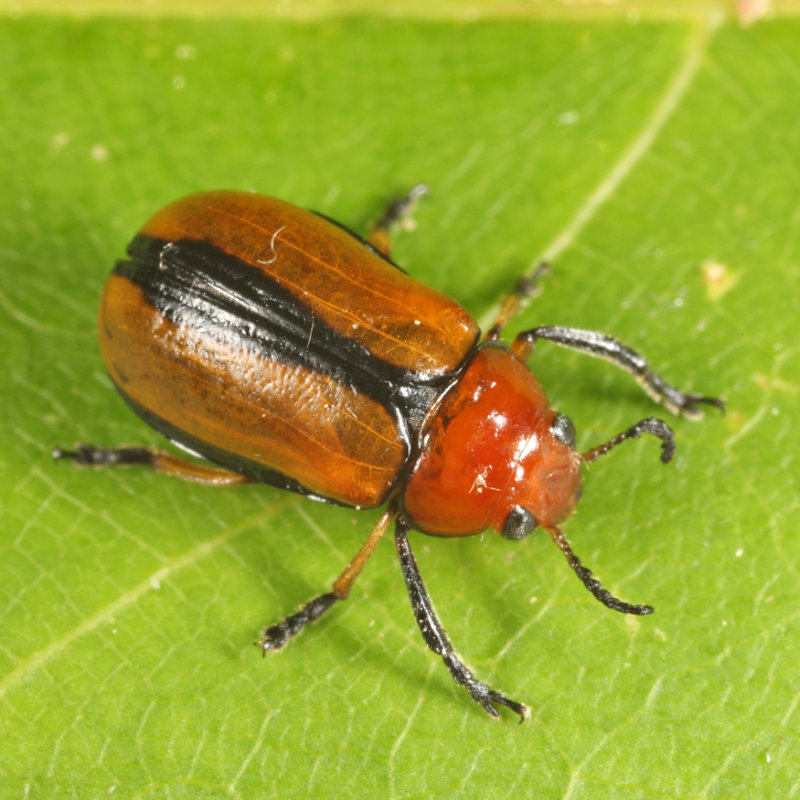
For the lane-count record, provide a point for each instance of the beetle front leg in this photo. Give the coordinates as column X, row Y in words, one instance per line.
column 602, row 346
column 436, row 638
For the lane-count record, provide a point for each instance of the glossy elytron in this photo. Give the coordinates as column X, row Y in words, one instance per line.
column 280, row 347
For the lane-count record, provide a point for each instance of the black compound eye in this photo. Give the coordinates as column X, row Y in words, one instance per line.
column 563, row 429
column 519, row 523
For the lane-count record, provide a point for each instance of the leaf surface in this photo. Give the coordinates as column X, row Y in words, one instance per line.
column 655, row 161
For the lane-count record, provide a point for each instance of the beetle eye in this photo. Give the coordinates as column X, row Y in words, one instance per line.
column 519, row 523
column 563, row 430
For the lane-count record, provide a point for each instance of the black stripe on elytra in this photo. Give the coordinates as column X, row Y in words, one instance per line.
column 195, row 284
column 224, row 458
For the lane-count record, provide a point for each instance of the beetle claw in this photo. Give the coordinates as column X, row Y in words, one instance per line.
column 518, row 708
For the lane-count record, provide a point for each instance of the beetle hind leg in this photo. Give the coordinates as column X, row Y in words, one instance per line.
column 436, row 638
column 88, row 455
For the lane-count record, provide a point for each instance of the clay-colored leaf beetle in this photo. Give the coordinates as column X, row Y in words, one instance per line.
column 282, row 348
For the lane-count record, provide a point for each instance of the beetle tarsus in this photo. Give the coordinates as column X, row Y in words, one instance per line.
column 511, row 304
column 276, row 636
column 401, row 207
column 481, row 692
column 677, row 401
column 528, row 285
column 397, row 212
column 88, row 455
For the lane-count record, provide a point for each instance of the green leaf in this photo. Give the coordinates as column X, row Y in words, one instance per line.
column 655, row 161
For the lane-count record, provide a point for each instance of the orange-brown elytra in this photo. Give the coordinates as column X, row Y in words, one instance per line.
column 282, row 348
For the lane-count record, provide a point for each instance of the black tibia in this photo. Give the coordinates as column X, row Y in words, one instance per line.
column 277, row 635
column 598, row 344
column 436, row 638
column 89, row 455
column 592, row 584
column 657, row 427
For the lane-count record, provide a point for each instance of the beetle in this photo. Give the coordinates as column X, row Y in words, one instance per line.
column 280, row 347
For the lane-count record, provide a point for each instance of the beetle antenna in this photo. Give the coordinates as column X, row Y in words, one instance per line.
column 592, row 584
column 650, row 425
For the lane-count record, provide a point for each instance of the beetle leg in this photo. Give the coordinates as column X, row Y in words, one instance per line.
column 436, row 638
column 398, row 210
column 592, row 584
column 602, row 346
column 525, row 288
column 157, row 460
column 276, row 636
